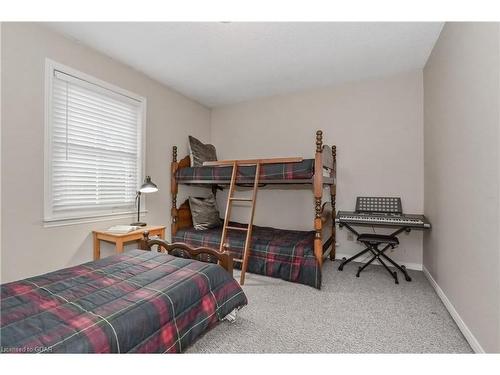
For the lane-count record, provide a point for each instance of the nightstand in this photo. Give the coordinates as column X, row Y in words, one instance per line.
column 119, row 239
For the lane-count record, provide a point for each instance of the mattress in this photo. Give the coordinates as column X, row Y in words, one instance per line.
column 280, row 253
column 282, row 171
column 138, row 301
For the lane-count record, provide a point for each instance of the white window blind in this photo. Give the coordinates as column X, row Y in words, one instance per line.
column 95, row 149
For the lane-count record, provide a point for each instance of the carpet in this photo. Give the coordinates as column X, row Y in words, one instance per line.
column 369, row 314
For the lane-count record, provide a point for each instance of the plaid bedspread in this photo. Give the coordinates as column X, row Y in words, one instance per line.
column 138, row 301
column 284, row 171
column 285, row 254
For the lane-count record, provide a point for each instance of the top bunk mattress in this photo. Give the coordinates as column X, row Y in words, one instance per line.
column 270, row 172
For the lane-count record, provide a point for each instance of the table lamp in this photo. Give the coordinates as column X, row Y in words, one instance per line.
column 147, row 187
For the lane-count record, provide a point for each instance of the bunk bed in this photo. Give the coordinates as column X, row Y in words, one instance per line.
column 291, row 255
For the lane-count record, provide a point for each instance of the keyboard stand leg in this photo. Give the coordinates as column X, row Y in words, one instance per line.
column 401, row 268
column 393, row 274
column 365, row 265
column 345, row 261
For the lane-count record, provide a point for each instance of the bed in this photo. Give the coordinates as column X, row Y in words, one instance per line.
column 279, row 253
column 284, row 254
column 135, row 302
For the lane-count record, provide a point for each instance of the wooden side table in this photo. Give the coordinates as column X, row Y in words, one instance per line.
column 119, row 239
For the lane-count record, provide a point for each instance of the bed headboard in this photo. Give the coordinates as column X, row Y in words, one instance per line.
column 184, row 218
column 203, row 254
column 184, row 162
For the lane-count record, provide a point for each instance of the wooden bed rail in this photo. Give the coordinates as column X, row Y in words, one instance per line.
column 182, row 250
column 173, row 189
column 243, row 162
column 318, row 194
column 333, row 198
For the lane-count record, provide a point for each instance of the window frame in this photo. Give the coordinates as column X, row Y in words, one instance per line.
column 49, row 219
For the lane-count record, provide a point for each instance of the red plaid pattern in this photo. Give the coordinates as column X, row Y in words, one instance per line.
column 285, row 254
column 285, row 171
column 139, row 301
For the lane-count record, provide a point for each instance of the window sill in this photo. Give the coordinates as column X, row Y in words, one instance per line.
column 94, row 219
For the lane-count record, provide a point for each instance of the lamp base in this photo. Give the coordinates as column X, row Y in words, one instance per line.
column 139, row 224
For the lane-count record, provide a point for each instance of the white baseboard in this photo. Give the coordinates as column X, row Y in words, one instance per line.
column 454, row 314
column 410, row 266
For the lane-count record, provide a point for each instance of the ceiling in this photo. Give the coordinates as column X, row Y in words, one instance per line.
column 219, row 63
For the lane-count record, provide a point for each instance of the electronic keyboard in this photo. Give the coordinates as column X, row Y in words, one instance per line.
column 385, row 219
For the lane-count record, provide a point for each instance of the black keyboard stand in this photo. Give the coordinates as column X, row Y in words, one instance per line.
column 372, row 243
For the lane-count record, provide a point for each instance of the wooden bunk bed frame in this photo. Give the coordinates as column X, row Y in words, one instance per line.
column 325, row 157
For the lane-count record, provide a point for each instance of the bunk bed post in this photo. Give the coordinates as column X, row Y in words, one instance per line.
column 318, row 193
column 333, row 196
column 173, row 190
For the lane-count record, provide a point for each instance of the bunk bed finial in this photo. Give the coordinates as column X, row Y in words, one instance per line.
column 174, row 153
column 317, row 208
column 319, row 141
column 144, row 240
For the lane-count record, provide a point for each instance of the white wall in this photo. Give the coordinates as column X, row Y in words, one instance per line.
column 1, row 26
column 377, row 127
column 27, row 247
column 462, row 172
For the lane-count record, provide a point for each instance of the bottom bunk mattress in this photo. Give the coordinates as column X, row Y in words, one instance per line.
column 138, row 301
column 285, row 254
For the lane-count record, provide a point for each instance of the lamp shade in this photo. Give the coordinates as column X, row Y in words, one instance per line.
column 148, row 186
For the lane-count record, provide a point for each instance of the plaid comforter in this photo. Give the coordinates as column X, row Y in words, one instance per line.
column 284, row 171
column 285, row 254
column 138, row 301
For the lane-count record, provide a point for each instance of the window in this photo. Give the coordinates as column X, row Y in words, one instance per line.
column 94, row 147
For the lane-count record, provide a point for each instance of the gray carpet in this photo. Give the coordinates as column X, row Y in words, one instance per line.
column 369, row 314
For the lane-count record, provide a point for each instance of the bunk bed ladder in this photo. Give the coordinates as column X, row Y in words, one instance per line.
column 231, row 198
